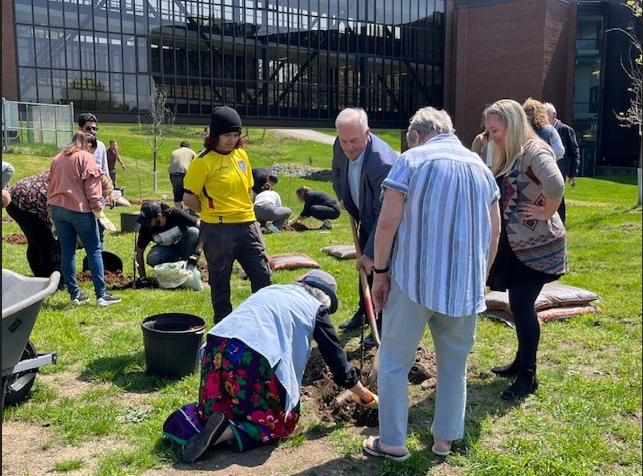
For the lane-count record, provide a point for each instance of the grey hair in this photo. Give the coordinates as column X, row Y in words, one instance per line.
column 350, row 115
column 317, row 293
column 427, row 120
column 550, row 107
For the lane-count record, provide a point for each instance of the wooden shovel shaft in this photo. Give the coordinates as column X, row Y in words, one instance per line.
column 371, row 380
column 368, row 300
column 370, row 310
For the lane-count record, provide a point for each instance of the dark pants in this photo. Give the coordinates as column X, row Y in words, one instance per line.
column 112, row 175
column 323, row 212
column 43, row 250
column 223, row 244
column 563, row 165
column 177, row 186
column 522, row 299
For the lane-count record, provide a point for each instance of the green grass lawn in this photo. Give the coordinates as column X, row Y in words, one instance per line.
column 584, row 420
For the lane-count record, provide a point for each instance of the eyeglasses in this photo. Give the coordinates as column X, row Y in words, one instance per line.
column 91, row 129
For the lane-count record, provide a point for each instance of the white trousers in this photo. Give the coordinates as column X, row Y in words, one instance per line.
column 403, row 324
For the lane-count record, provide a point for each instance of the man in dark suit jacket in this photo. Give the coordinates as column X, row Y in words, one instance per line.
column 570, row 162
column 361, row 161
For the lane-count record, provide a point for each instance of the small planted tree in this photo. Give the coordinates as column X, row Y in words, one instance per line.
column 156, row 122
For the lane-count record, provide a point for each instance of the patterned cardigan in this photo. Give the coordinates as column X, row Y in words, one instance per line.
column 539, row 244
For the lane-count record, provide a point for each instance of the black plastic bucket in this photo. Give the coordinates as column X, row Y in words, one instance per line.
column 171, row 343
column 128, row 222
column 111, row 262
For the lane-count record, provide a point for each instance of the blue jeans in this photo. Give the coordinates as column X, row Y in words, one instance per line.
column 70, row 224
column 180, row 251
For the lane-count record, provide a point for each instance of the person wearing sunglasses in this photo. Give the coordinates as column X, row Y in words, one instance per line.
column 88, row 124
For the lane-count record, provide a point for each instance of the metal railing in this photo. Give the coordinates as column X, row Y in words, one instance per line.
column 36, row 123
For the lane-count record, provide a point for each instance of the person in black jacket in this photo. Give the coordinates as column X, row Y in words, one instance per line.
column 317, row 204
column 570, row 162
column 174, row 232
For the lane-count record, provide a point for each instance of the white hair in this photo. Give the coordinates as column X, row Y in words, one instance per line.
column 317, row 293
column 427, row 120
column 350, row 115
column 550, row 108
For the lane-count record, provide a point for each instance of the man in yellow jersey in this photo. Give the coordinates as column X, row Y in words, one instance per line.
column 217, row 185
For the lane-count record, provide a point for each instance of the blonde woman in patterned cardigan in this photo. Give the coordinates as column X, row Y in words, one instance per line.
column 532, row 249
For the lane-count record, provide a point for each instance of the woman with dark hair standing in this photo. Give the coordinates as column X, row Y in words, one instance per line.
column 532, row 247
column 217, row 185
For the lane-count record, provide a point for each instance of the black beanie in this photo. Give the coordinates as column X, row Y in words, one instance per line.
column 224, row 119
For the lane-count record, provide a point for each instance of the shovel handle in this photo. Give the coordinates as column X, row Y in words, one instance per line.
column 342, row 397
column 370, row 310
column 368, row 300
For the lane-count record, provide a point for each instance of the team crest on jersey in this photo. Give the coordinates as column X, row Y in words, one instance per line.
column 242, row 165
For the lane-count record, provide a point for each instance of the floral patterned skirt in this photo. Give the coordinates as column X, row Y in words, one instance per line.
column 239, row 382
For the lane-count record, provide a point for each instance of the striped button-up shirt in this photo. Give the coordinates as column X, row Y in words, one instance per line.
column 440, row 254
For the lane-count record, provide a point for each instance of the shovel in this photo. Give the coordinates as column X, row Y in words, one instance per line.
column 370, row 315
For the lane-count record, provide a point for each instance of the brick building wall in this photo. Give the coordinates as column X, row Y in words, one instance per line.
column 9, row 61
column 529, row 52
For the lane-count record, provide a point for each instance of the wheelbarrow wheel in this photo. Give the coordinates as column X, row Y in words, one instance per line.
column 19, row 384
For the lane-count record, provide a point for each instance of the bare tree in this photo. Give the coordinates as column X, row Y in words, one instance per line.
column 632, row 116
column 155, row 122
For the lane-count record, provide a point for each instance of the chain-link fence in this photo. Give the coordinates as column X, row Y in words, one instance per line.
column 36, row 123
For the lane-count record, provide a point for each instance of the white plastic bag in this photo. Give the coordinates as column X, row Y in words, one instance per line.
column 171, row 275
column 177, row 275
column 194, row 280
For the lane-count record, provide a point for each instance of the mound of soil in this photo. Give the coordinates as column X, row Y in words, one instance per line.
column 320, row 392
column 117, row 280
column 300, row 227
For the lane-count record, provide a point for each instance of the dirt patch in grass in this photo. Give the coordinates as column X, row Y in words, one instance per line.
column 320, row 392
column 300, row 227
column 15, row 238
column 31, row 449
column 117, row 280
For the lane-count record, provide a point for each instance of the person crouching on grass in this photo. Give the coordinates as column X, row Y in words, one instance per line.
column 175, row 235
column 253, row 364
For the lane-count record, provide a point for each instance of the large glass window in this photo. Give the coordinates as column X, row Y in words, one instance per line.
column 27, row 78
column 24, row 12
column 26, row 46
column 284, row 59
column 43, row 53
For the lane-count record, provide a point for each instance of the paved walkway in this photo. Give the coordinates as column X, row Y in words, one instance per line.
column 308, row 134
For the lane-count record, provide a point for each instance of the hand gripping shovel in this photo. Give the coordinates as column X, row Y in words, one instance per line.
column 370, row 315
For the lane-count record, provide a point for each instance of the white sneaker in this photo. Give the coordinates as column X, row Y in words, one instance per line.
column 273, row 228
column 107, row 300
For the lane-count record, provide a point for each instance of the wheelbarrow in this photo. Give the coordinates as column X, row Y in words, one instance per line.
column 22, row 298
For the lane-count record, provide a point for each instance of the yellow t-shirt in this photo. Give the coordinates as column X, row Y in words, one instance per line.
column 222, row 183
